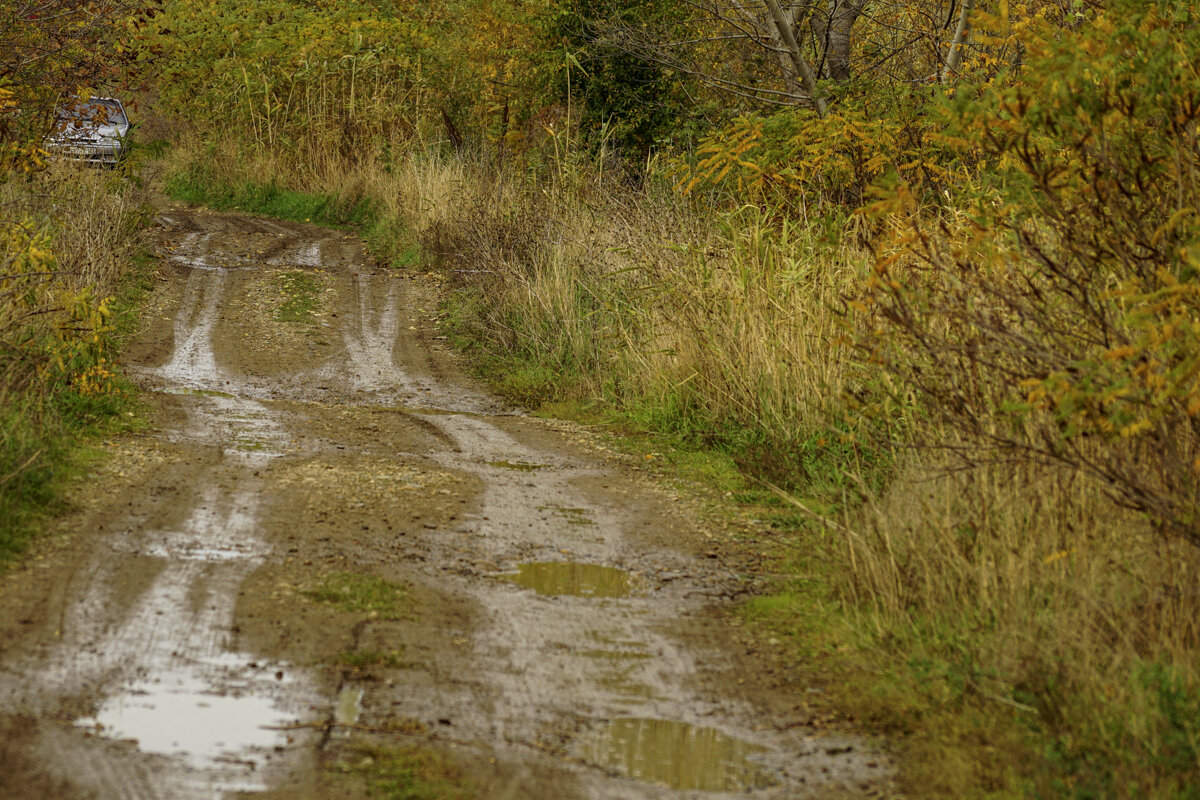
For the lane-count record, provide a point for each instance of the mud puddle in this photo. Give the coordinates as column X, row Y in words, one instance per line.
column 578, row 580
column 217, row 712
column 677, row 755
column 185, row 654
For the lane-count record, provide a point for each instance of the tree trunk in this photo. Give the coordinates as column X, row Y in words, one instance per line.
column 954, row 57
column 801, row 73
column 842, row 16
column 831, row 29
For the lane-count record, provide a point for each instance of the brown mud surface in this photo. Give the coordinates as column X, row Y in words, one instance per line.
column 330, row 539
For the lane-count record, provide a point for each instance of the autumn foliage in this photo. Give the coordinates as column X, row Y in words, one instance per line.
column 1060, row 295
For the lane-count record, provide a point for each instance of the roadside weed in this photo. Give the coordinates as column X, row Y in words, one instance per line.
column 362, row 594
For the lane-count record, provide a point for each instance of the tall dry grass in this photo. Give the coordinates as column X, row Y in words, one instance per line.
column 96, row 221
column 1024, row 599
column 630, row 293
column 67, row 231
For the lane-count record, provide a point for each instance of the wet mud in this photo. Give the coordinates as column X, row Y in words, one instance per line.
column 506, row 593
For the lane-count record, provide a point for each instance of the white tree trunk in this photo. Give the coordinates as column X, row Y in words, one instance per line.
column 954, row 57
column 803, row 72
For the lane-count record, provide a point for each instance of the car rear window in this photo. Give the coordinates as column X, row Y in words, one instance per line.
column 93, row 110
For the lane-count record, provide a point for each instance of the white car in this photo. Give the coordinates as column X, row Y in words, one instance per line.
column 92, row 130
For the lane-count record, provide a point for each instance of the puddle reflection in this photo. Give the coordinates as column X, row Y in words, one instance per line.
column 220, row 712
column 677, row 755
column 578, row 580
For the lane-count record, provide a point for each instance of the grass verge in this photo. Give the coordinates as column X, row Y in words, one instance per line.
column 199, row 182
column 196, row 186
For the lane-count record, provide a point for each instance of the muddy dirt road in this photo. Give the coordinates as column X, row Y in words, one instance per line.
column 330, row 541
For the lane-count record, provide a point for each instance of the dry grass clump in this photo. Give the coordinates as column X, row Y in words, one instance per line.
column 97, row 229
column 631, row 293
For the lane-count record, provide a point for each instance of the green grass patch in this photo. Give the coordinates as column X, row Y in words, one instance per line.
column 391, row 242
column 367, row 659
column 301, row 295
column 516, row 368
column 405, row 773
column 46, row 443
column 362, row 594
column 194, row 185
column 32, row 464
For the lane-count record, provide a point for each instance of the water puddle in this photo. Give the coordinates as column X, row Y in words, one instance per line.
column 519, row 466
column 677, row 755
column 219, row 712
column 347, row 709
column 577, row 580
column 186, row 392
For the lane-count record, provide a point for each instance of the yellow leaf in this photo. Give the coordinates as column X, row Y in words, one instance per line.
column 1060, row 555
column 1119, row 353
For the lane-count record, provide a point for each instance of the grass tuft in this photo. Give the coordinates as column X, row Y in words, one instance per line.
column 405, row 773
column 366, row 659
column 354, row 593
column 301, row 292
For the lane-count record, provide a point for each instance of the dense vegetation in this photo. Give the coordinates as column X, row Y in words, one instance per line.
column 926, row 272
column 68, row 243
